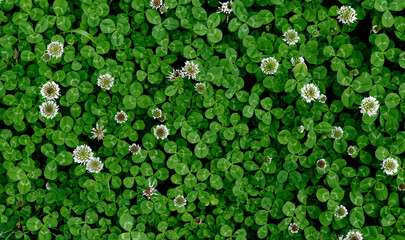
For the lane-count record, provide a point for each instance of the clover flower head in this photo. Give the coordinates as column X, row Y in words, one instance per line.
column 341, row 237
column 337, row 132
column 94, row 165
column 369, row 105
column 295, row 61
column 155, row 4
column 150, row 191
column 175, row 74
column 354, row 72
column 375, row 29
column 267, row 159
column 322, row 98
column 50, row 90
column 301, row 129
column 156, row 113
column 225, row 7
column 293, row 228
column 315, row 33
column 190, row 69
column 354, row 235
column 121, row 117
column 200, row 88
column 291, row 37
column 55, row 49
column 321, row 163
column 46, row 57
column 135, row 148
column 49, row 109
column 180, row 201
column 351, row 150
column 161, row 132
column 198, row 220
column 401, row 187
column 341, row 212
column 82, row 154
column 105, row 81
column 347, row 15
column 162, row 118
column 163, row 8
column 98, row 132
column 269, row 65
column 390, row 166
column 310, row 92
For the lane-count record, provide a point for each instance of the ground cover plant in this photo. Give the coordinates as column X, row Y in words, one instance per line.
column 200, row 119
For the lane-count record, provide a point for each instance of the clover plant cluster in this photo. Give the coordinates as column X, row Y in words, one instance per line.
column 202, row 119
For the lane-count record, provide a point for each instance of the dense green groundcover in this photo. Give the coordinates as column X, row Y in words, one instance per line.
column 256, row 152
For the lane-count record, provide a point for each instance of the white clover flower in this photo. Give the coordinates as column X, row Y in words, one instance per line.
column 50, row 90
column 351, row 150
column 354, row 235
column 267, row 159
column 49, row 109
column 401, row 187
column 121, row 117
column 390, row 166
column 46, row 57
column 322, row 98
column 310, row 92
column 341, row 212
column 55, row 49
column 155, row 3
column 269, row 65
column 162, row 118
column 295, row 61
column 347, row 15
column 291, row 37
column 156, row 113
column 225, row 7
column 337, row 133
column 293, row 228
column 82, row 154
column 135, row 148
column 150, row 191
column 315, row 33
column 47, row 186
column 369, row 105
column 301, row 129
column 175, row 74
column 163, row 8
column 94, row 165
column 161, row 132
column 190, row 69
column 321, row 163
column 200, row 88
column 375, row 29
column 198, row 220
column 180, row 201
column 98, row 132
column 105, row 81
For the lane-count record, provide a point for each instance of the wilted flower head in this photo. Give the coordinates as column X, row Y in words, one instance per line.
column 354, row 235
column 55, row 49
column 291, row 37
column 149, row 192
column 82, row 154
column 369, row 105
column 225, row 7
column 341, row 212
column 49, row 109
column 401, row 187
column 161, row 132
column 98, row 132
column 200, row 88
column 390, row 166
column 175, row 74
column 295, row 61
column 198, row 220
column 301, row 129
column 135, row 148
column 351, row 150
column 156, row 113
column 50, row 90
column 105, row 81
column 321, row 163
column 155, row 3
column 180, row 201
column 269, row 65
column 162, row 118
column 322, row 98
column 163, row 8
column 310, row 92
column 190, row 69
column 337, row 132
column 347, row 15
column 293, row 228
column 121, row 117
column 375, row 29
column 94, row 165
column 315, row 33
column 46, row 57
column 267, row 159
